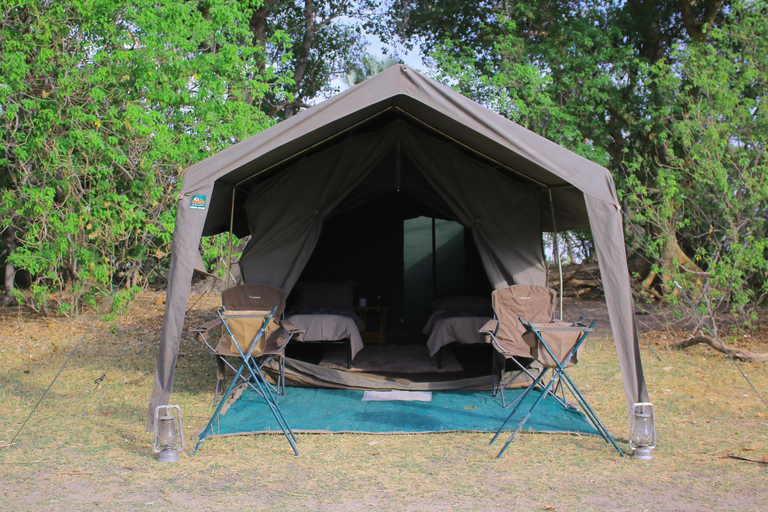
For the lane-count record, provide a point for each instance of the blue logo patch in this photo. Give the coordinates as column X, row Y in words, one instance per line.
column 197, row 202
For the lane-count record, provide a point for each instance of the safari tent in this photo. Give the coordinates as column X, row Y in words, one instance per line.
column 397, row 146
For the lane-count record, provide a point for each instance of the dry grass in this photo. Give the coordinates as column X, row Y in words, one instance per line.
column 86, row 447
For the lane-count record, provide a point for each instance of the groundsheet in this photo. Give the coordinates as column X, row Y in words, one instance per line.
column 342, row 410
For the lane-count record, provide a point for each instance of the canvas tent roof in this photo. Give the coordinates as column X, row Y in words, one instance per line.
column 495, row 177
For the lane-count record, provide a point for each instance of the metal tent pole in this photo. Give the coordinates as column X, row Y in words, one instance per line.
column 231, row 224
column 556, row 250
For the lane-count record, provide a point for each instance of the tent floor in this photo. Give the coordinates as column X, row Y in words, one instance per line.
column 407, row 367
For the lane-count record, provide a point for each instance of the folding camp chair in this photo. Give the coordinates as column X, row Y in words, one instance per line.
column 505, row 332
column 248, row 298
column 556, row 346
column 253, row 332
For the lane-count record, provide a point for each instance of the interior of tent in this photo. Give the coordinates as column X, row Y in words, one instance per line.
column 406, row 217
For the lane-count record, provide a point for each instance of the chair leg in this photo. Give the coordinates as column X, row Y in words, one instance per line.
column 525, row 419
column 263, row 387
column 265, row 392
column 280, row 385
column 221, row 373
column 565, row 380
column 276, row 411
column 498, row 377
column 502, row 387
column 209, row 426
column 590, row 413
column 519, row 401
column 219, row 387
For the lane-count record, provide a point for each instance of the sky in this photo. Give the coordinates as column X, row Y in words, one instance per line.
column 413, row 59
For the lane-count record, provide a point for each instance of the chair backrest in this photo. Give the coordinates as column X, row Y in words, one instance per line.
column 257, row 297
column 254, row 297
column 533, row 303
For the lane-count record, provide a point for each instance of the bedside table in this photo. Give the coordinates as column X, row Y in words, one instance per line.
column 379, row 335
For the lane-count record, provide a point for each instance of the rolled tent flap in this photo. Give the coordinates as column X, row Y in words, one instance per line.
column 185, row 256
column 608, row 233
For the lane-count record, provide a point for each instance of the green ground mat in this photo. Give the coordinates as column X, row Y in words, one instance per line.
column 341, row 410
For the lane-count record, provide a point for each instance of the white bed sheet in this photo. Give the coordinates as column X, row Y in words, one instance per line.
column 444, row 327
column 329, row 327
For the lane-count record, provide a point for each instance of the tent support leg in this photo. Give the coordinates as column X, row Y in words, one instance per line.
column 556, row 251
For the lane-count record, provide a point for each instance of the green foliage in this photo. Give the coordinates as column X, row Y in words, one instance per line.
column 670, row 98
column 368, row 67
column 216, row 252
column 310, row 44
column 103, row 103
column 717, row 162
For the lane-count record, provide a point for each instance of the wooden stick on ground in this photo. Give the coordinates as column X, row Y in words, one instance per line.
column 744, row 355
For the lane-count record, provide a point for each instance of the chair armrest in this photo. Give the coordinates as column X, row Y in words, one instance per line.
column 489, row 327
column 290, row 328
column 207, row 326
column 204, row 331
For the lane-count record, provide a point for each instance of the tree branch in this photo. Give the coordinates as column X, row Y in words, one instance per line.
column 693, row 26
column 744, row 355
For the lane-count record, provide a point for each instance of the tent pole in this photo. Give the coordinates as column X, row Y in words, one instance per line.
column 556, row 250
column 231, row 224
column 397, row 167
column 434, row 260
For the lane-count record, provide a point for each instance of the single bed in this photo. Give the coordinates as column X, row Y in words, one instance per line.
column 325, row 311
column 456, row 320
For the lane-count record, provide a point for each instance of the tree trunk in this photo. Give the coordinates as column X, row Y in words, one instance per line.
column 9, row 238
column 303, row 59
column 671, row 259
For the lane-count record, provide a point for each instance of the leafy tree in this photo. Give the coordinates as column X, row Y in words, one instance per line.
column 103, row 104
column 370, row 66
column 715, row 177
column 311, row 43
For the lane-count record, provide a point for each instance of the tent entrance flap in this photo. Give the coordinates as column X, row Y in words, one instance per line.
column 286, row 213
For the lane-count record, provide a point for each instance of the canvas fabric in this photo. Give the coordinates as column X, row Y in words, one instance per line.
column 286, row 213
column 245, row 299
column 245, row 325
column 532, row 304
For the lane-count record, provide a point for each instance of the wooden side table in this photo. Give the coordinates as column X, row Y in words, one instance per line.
column 378, row 336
